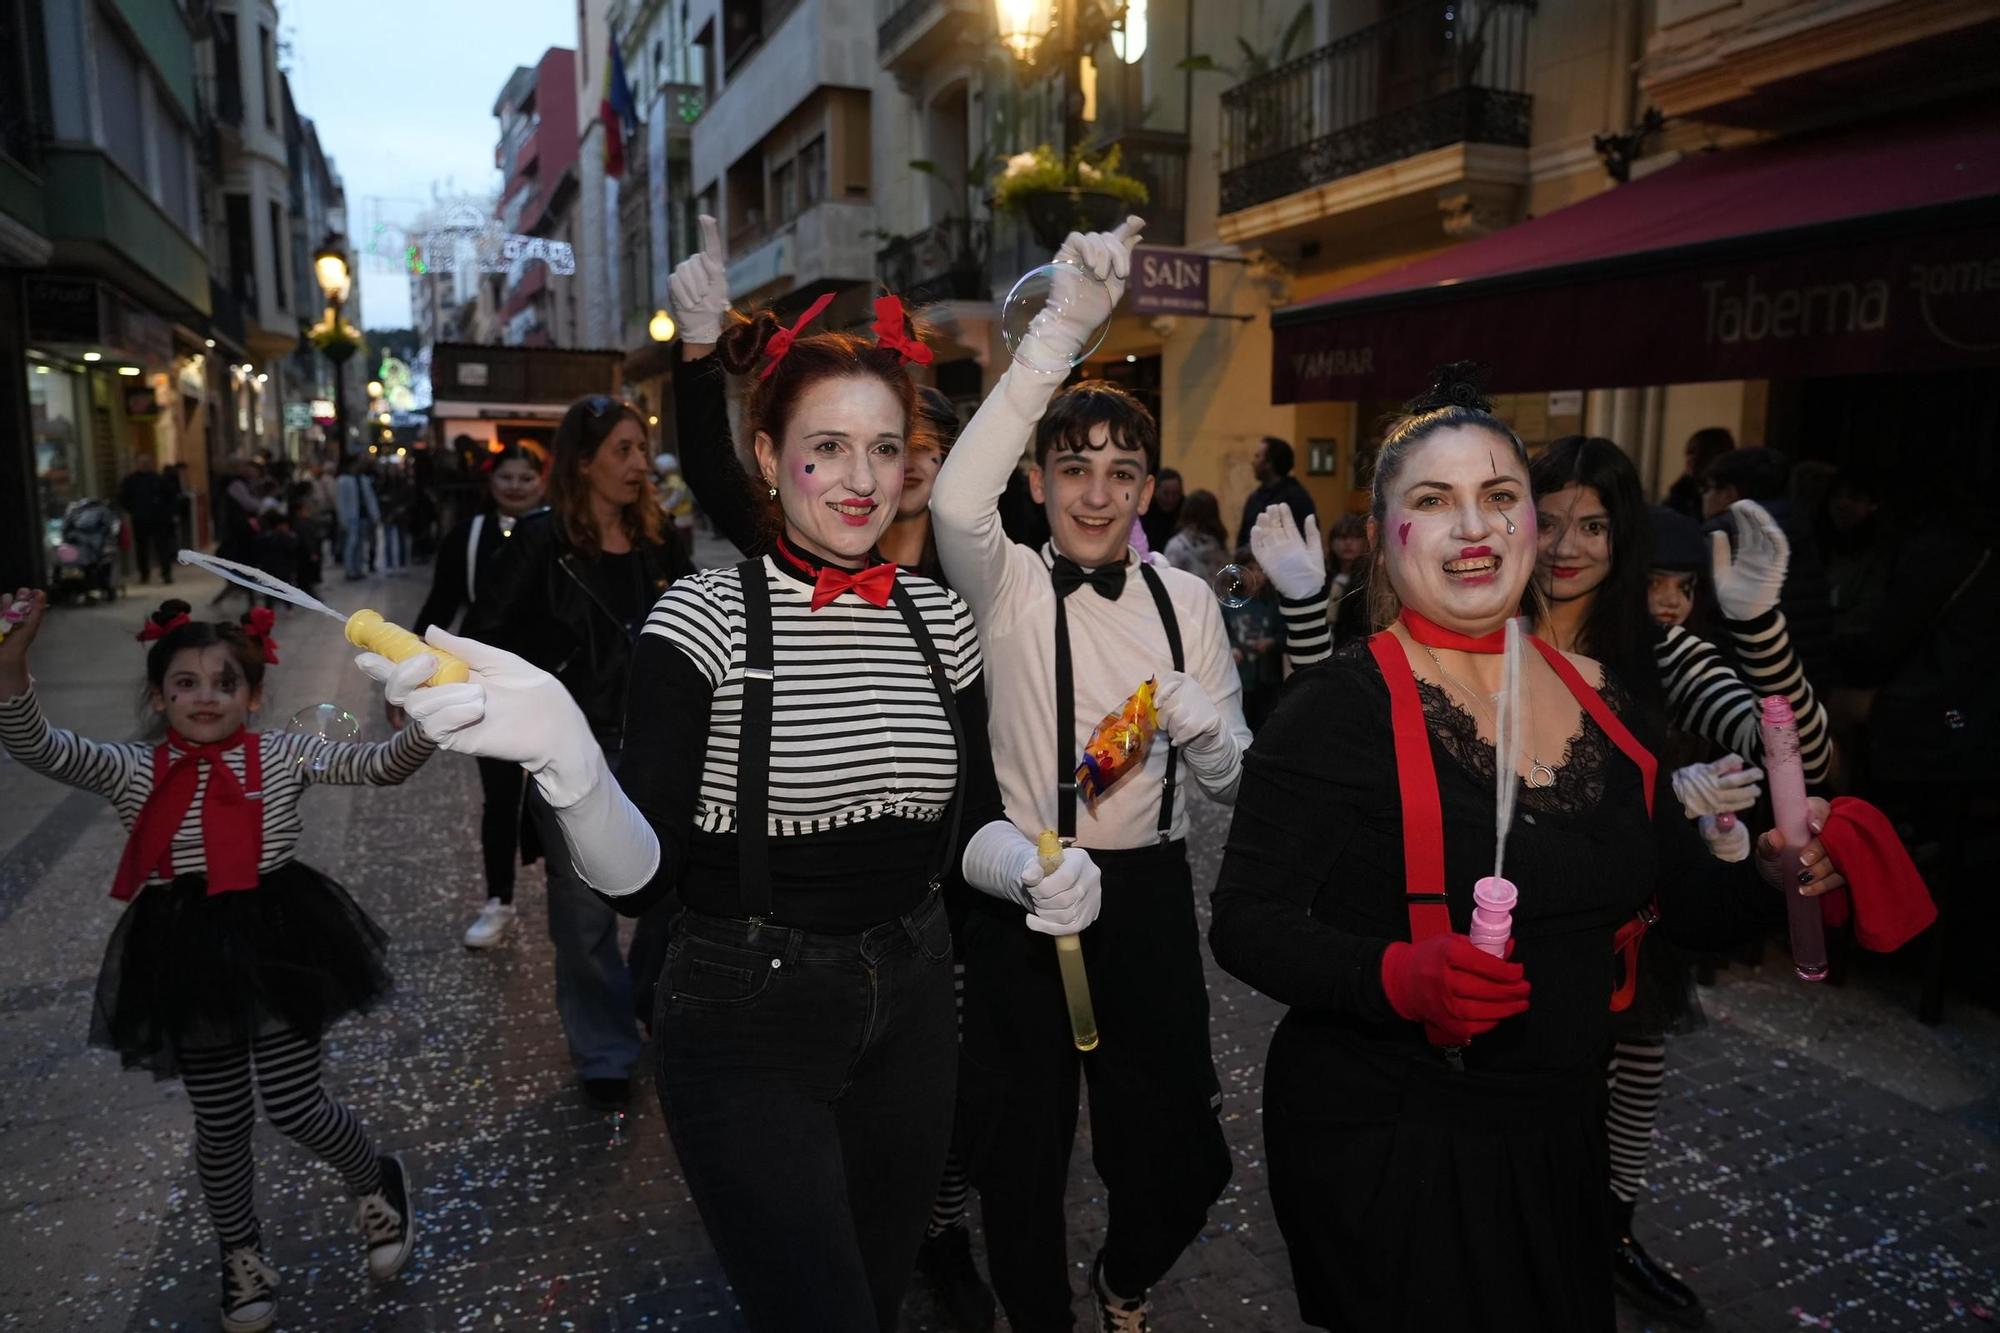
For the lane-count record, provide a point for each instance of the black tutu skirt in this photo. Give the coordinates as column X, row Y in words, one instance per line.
column 187, row 971
column 1664, row 1002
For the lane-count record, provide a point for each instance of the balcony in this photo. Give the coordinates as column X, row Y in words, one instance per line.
column 102, row 222
column 912, row 36
column 1431, row 76
column 1158, row 160
column 828, row 245
column 946, row 262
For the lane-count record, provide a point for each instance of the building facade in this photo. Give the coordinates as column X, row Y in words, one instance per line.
column 537, row 158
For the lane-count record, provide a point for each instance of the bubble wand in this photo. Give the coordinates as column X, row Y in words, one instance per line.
column 1069, row 958
column 1494, row 896
column 1785, row 772
column 364, row 629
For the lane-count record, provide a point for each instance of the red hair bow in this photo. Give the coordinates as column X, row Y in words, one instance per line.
column 257, row 628
column 890, row 333
column 157, row 629
column 781, row 341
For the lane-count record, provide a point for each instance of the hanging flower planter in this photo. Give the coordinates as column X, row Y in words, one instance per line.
column 1054, row 214
column 1059, row 195
column 336, row 340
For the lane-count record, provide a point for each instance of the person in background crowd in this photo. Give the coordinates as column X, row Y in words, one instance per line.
column 1676, row 592
column 1861, row 546
column 360, row 511
column 1703, row 447
column 1199, row 544
column 323, row 495
column 465, row 568
column 1763, row 475
column 184, row 498
column 1163, row 518
column 1347, row 577
column 676, row 500
column 248, row 504
column 148, row 499
column 1276, row 485
column 570, row 594
column 1256, row 641
column 305, row 527
column 395, row 498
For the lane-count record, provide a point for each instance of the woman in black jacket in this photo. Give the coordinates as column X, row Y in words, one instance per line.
column 464, row 570
column 570, row 593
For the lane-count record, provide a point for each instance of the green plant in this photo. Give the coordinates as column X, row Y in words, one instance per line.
column 1042, row 171
column 1256, row 63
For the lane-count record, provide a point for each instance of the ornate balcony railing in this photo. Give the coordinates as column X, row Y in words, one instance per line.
column 1158, row 159
column 945, row 262
column 1435, row 73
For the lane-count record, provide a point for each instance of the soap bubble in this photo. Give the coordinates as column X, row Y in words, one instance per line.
column 1071, row 290
column 1232, row 586
column 327, row 725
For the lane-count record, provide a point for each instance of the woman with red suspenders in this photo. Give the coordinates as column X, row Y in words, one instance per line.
column 1435, row 1120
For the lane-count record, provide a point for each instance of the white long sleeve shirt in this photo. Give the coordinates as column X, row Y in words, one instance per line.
column 1114, row 646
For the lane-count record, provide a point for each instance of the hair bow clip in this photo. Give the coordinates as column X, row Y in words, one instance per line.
column 781, row 341
column 257, row 627
column 157, row 629
column 890, row 333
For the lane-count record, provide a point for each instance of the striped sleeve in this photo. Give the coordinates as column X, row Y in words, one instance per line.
column 695, row 616
column 1308, row 633
column 352, row 764
column 966, row 662
column 1764, row 647
column 95, row 766
column 1707, row 697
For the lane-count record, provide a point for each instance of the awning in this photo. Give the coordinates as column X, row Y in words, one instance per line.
column 1875, row 249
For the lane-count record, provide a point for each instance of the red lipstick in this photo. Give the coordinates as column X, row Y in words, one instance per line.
column 1474, row 552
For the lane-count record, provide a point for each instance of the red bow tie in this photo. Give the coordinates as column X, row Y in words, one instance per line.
column 871, row 585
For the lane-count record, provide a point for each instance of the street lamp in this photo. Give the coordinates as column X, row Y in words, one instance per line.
column 1057, row 35
column 661, row 327
column 333, row 341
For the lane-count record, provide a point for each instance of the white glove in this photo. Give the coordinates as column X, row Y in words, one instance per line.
column 1725, row 844
column 508, row 709
column 1066, row 900
column 1076, row 306
column 1747, row 584
column 699, row 289
column 1295, row 569
column 1723, row 787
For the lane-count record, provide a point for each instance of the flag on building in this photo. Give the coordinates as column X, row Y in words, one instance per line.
column 617, row 110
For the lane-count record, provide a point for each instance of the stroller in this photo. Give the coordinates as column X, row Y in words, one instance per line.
column 84, row 562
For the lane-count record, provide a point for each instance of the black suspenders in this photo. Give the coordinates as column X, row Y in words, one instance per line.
column 1066, row 711
column 753, row 757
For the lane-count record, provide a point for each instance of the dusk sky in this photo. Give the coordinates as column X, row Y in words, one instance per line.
column 403, row 97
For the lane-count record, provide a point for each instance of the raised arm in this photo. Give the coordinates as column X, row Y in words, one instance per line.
column 699, row 289
column 70, row 759
column 1707, row 697
column 370, row 764
column 965, row 502
column 1297, row 570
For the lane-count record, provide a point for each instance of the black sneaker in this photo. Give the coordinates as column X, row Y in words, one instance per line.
column 249, row 1291
column 946, row 1263
column 1644, row 1281
column 388, row 1223
column 1115, row 1314
column 608, row 1094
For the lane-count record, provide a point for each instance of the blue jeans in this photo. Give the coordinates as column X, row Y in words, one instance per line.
column 807, row 1081
column 355, row 539
column 593, row 985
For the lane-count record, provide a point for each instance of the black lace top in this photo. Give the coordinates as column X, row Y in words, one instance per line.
column 1311, row 889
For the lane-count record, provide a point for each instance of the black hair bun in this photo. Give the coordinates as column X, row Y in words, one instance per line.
column 170, row 608
column 743, row 342
column 1460, row 384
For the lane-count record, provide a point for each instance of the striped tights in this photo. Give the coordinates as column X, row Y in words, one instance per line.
column 219, row 1085
column 948, row 1208
column 1637, row 1070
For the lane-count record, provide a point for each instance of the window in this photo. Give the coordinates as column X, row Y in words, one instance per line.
column 277, row 255
column 242, row 248
column 785, row 192
column 173, row 158
column 742, row 30
column 119, row 96
column 264, row 74
column 812, row 172
column 228, row 71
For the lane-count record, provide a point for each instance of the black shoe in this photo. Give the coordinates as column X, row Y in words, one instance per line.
column 1646, row 1282
column 946, row 1263
column 608, row 1094
column 388, row 1223
column 1117, row 1314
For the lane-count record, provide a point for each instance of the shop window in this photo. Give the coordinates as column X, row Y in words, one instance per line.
column 56, row 426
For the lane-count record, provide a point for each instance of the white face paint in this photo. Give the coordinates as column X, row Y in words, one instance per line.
column 204, row 694
column 839, row 475
column 1444, row 537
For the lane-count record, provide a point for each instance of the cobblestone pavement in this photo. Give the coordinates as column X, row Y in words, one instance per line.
column 1825, row 1162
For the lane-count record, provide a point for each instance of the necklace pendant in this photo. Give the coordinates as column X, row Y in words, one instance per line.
column 1541, row 775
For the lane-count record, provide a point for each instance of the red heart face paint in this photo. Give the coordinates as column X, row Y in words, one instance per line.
column 1404, row 533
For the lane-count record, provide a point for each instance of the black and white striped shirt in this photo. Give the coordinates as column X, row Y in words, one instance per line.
column 122, row 772
column 1707, row 697
column 857, row 732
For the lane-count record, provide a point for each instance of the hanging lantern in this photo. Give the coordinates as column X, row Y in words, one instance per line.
column 1023, row 24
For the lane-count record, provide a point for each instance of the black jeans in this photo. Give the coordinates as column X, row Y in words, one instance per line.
column 807, row 1081
column 1154, row 1097
column 501, row 783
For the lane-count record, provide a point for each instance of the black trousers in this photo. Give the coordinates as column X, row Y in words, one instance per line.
column 1154, row 1097
column 157, row 539
column 502, row 785
column 807, row 1081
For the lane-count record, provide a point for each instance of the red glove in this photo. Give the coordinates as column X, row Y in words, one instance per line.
column 1451, row 986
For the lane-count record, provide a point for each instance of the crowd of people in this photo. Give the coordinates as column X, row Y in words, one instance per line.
column 886, row 793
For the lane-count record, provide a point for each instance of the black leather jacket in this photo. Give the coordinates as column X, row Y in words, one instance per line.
column 547, row 603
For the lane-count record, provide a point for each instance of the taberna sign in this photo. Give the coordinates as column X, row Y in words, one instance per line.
column 1167, row 282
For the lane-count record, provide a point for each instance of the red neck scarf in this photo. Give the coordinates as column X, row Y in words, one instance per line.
column 1433, row 635
column 872, row 584
column 232, row 819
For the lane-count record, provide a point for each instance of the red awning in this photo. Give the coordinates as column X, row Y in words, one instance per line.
column 1875, row 249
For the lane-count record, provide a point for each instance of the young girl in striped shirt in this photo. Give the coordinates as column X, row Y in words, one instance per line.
column 232, row 958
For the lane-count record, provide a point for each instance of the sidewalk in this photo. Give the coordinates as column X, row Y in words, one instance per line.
column 1825, row 1162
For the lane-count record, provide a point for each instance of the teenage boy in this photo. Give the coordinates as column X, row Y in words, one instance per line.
column 1069, row 631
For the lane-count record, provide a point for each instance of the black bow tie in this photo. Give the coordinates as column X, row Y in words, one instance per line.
column 1068, row 576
